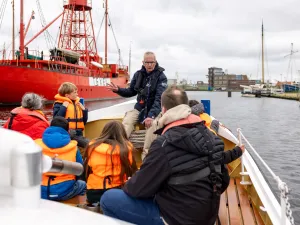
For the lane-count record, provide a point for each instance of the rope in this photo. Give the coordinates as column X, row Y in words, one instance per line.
column 100, row 28
column 137, row 138
column 119, row 51
column 2, row 11
column 48, row 37
column 282, row 186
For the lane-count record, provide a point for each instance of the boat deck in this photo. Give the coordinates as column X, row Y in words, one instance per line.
column 235, row 207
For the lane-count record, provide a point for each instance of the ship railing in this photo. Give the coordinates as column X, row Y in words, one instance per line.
column 53, row 63
column 286, row 211
column 89, row 2
column 123, row 67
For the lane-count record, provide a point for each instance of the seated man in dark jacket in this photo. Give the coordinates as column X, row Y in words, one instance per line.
column 148, row 84
column 181, row 178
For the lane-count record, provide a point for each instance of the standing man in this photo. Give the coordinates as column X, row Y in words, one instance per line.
column 148, row 84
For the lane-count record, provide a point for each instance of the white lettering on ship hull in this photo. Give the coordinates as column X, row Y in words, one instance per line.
column 98, row 81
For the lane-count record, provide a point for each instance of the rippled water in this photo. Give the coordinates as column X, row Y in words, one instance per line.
column 273, row 128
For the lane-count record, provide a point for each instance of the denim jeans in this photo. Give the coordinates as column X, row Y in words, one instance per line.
column 79, row 188
column 117, row 204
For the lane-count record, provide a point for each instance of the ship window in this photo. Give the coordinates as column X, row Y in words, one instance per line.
column 81, row 89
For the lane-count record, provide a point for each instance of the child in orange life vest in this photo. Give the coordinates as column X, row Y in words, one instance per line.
column 56, row 141
column 109, row 161
column 68, row 106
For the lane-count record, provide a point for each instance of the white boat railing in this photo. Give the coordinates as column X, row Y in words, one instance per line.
column 286, row 211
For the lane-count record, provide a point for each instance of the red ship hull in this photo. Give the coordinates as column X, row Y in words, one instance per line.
column 15, row 81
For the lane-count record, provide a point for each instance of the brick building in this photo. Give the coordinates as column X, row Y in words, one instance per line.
column 217, row 79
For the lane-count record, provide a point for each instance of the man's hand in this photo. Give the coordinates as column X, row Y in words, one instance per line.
column 80, row 105
column 65, row 104
column 242, row 147
column 112, row 87
column 148, row 122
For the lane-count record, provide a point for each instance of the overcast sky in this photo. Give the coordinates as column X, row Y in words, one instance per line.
column 188, row 36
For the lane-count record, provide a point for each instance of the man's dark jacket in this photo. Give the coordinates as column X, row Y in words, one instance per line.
column 148, row 88
column 182, row 150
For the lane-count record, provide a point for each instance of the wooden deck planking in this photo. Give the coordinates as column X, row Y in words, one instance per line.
column 258, row 218
column 234, row 210
column 223, row 209
column 246, row 208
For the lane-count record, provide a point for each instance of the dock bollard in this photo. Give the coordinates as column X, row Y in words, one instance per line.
column 229, row 94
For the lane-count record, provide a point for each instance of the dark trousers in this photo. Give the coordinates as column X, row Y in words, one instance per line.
column 117, row 204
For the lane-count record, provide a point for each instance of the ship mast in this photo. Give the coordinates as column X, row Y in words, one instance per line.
column 13, row 29
column 21, row 30
column 106, row 25
column 262, row 57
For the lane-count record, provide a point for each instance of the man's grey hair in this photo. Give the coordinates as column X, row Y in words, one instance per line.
column 32, row 101
column 149, row 53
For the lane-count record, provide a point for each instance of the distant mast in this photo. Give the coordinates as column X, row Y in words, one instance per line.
column 106, row 25
column 262, row 57
column 13, row 29
column 22, row 30
column 129, row 65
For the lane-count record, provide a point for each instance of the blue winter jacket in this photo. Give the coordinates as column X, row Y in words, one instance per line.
column 57, row 137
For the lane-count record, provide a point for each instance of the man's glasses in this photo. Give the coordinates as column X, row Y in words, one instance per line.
column 149, row 62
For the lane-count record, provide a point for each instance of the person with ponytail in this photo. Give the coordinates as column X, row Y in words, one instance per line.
column 109, row 161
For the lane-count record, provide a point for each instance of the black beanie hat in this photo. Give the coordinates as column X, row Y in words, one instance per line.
column 60, row 121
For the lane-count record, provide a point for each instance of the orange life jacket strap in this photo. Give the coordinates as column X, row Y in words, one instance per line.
column 48, row 185
column 189, row 120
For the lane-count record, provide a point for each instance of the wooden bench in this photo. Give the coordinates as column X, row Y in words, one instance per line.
column 236, row 208
column 75, row 201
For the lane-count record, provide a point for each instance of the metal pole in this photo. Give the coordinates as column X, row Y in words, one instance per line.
column 21, row 30
column 242, row 163
column 106, row 24
column 13, row 29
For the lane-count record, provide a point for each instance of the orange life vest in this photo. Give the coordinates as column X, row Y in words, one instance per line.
column 208, row 120
column 74, row 113
column 102, row 175
column 67, row 152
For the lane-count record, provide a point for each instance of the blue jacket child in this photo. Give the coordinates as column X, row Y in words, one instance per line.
column 56, row 141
